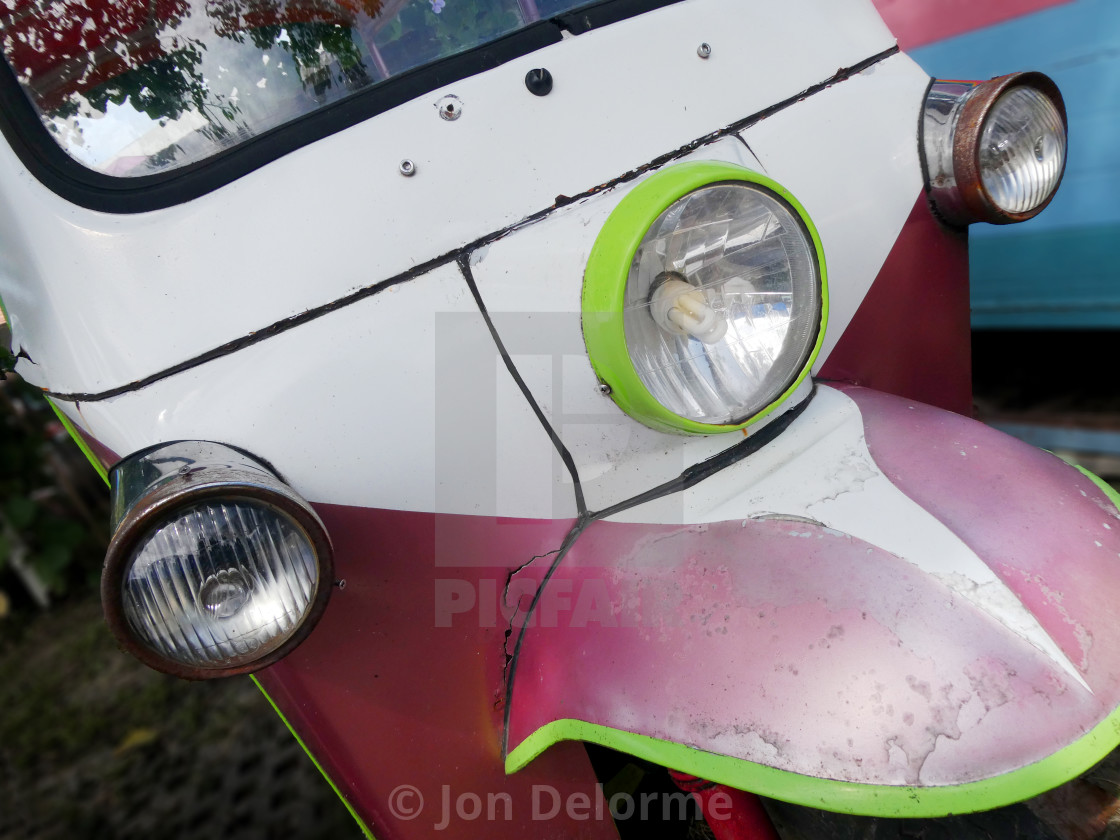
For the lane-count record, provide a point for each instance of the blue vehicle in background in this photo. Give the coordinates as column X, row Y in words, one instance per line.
column 1046, row 293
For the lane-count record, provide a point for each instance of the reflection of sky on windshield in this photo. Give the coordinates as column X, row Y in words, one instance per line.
column 122, row 133
column 258, row 88
column 132, row 87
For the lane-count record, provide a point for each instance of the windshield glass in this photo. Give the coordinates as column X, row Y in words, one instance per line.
column 133, row 87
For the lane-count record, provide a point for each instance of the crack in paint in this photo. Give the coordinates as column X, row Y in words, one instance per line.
column 513, row 612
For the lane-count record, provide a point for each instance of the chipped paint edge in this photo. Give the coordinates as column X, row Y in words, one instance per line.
column 1102, row 485
column 895, row 801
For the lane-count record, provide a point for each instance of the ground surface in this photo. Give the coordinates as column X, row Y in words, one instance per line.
column 94, row 745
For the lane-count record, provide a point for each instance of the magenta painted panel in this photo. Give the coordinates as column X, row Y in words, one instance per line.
column 911, row 334
column 101, row 452
column 804, row 649
column 917, row 22
column 1046, row 529
column 402, row 681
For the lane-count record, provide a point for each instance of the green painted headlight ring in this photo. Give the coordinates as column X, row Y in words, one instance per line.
column 608, row 267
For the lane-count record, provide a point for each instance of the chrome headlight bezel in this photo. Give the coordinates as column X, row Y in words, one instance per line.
column 151, row 487
column 607, row 276
column 954, row 118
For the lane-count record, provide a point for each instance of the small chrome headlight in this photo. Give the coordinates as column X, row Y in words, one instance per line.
column 216, row 567
column 705, row 298
column 995, row 151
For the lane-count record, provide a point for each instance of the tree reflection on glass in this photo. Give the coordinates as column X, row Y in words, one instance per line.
column 130, row 87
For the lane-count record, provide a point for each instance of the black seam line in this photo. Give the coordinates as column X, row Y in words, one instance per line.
column 513, row 614
column 286, row 324
column 565, row 456
column 698, row 472
column 511, row 668
column 689, row 478
column 739, row 137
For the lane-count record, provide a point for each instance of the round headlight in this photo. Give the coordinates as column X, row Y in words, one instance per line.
column 216, row 568
column 995, row 151
column 1022, row 150
column 705, row 299
column 220, row 584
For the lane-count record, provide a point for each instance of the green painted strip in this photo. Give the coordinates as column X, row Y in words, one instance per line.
column 608, row 267
column 78, row 439
column 1105, row 487
column 97, row 465
column 318, row 766
column 830, row 794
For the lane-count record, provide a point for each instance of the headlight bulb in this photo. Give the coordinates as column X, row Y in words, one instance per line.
column 679, row 307
column 705, row 298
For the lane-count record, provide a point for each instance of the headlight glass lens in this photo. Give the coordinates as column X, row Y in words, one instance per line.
column 1022, row 150
column 220, row 583
column 722, row 306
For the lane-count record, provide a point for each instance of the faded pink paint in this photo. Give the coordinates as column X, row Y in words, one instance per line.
column 105, row 456
column 917, row 22
column 1046, row 529
column 384, row 697
column 797, row 647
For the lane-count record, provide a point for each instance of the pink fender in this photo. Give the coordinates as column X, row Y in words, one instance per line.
column 775, row 654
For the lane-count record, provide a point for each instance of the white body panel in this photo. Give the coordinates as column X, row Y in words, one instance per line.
column 440, row 427
column 140, row 293
column 819, row 470
column 798, row 147
column 385, row 370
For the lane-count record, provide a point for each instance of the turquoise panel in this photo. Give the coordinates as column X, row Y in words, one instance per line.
column 1056, row 270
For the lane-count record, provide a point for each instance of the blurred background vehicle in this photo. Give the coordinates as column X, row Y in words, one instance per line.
column 1045, row 293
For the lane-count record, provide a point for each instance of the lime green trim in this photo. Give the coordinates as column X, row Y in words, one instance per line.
column 605, row 285
column 318, row 766
column 1106, row 488
column 829, row 794
column 4, row 319
column 68, row 424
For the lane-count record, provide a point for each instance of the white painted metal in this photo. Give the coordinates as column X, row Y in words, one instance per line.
column 536, row 305
column 850, row 155
column 876, row 154
column 820, row 470
column 139, row 293
column 405, row 404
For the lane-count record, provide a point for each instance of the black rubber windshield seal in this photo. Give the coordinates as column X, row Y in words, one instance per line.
column 49, row 163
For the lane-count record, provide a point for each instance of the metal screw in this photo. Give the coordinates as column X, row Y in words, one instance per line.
column 341, row 584
column 450, row 107
column 183, row 470
column 604, row 389
column 704, row 50
column 407, row 168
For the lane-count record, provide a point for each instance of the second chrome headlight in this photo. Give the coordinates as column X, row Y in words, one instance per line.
column 993, row 151
column 216, row 566
column 705, row 298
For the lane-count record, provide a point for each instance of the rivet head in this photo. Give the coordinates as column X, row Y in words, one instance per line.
column 407, row 168
column 539, row 82
column 704, row 50
column 450, row 107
